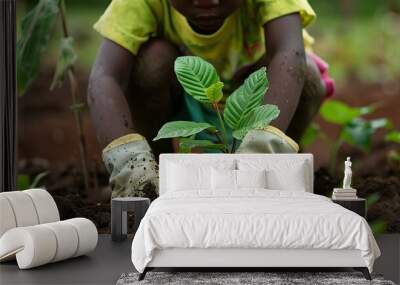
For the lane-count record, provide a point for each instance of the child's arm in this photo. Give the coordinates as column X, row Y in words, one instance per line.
column 127, row 157
column 286, row 66
column 107, row 84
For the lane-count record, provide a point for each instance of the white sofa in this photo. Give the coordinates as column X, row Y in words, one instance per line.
column 247, row 210
column 31, row 231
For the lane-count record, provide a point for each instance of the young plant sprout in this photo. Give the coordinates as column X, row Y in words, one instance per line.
column 36, row 30
column 243, row 110
column 354, row 129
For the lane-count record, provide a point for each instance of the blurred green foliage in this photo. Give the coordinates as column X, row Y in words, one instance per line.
column 354, row 129
column 358, row 38
column 25, row 182
column 36, row 27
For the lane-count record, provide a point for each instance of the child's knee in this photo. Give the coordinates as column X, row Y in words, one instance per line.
column 155, row 64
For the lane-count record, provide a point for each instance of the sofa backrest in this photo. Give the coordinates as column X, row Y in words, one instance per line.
column 233, row 161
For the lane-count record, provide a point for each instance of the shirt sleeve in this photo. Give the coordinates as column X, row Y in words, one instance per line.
column 268, row 10
column 128, row 23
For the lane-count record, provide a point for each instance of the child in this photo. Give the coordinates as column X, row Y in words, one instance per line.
column 133, row 90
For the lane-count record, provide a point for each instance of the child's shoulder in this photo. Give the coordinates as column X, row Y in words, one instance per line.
column 267, row 10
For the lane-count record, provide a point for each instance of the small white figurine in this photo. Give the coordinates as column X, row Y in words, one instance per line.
column 347, row 174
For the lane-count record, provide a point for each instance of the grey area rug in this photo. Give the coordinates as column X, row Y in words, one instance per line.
column 268, row 278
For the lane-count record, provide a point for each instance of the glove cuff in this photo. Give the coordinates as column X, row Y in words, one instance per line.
column 283, row 136
column 123, row 140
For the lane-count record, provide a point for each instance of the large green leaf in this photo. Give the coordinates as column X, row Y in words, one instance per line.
column 259, row 117
column 35, row 34
column 181, row 129
column 246, row 98
column 195, row 76
column 66, row 60
column 187, row 144
column 337, row 112
column 359, row 132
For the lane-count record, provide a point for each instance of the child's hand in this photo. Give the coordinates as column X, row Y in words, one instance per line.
column 267, row 140
column 132, row 167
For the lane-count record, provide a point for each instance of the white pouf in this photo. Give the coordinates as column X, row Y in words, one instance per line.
column 37, row 245
column 31, row 231
column 22, row 207
column 7, row 220
column 45, row 205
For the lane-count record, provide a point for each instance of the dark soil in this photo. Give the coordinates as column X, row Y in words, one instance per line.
column 382, row 177
column 46, row 129
column 65, row 183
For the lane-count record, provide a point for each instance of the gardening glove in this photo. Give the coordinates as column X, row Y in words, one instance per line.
column 132, row 167
column 267, row 140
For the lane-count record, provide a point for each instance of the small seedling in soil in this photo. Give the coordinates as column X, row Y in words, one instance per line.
column 358, row 132
column 243, row 110
column 24, row 181
column 355, row 130
column 36, row 29
column 394, row 155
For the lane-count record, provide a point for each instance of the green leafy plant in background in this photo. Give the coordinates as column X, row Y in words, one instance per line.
column 355, row 130
column 25, row 182
column 36, row 29
column 378, row 226
column 394, row 155
column 243, row 109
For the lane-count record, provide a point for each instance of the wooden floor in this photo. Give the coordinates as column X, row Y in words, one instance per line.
column 110, row 260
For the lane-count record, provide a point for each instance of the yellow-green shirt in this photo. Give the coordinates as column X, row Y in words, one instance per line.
column 239, row 41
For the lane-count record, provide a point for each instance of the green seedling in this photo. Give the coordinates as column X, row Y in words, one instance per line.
column 37, row 27
column 243, row 109
column 394, row 155
column 354, row 129
column 25, row 182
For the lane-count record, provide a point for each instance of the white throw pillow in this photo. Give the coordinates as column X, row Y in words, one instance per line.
column 182, row 177
column 293, row 180
column 251, row 178
column 223, row 179
column 285, row 174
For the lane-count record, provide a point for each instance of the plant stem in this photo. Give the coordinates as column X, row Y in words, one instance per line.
column 77, row 112
column 233, row 145
column 219, row 139
column 333, row 155
column 222, row 124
